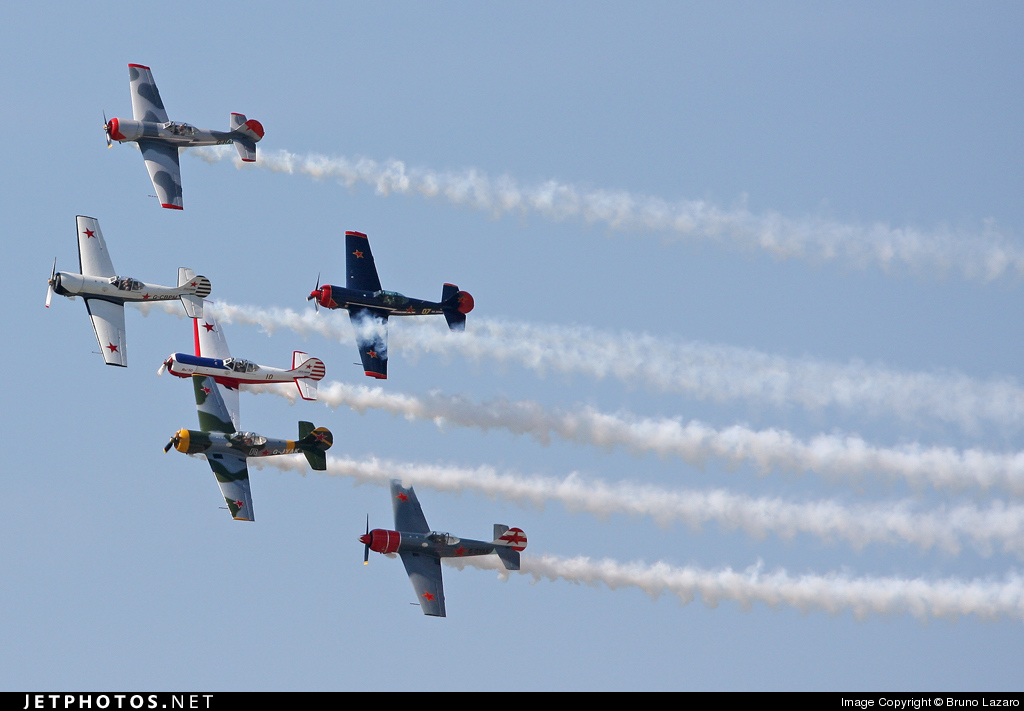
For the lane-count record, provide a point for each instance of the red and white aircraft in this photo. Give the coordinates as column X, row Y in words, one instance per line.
column 213, row 359
column 105, row 293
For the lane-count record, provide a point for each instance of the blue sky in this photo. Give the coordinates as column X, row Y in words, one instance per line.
column 803, row 139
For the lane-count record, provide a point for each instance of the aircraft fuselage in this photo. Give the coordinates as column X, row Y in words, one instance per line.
column 115, row 289
column 177, row 134
column 245, row 444
column 438, row 545
column 229, row 371
column 390, row 302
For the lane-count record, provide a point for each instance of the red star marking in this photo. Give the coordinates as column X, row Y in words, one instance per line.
column 428, row 596
column 112, row 347
column 239, row 504
column 208, row 327
column 410, row 310
column 513, row 537
column 402, row 497
column 372, row 354
column 193, row 283
column 89, row 233
column 319, row 436
column 359, row 255
column 265, row 452
column 145, row 296
column 206, row 390
column 460, row 551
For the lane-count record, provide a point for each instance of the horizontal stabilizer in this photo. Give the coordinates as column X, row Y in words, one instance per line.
column 314, row 441
column 246, row 149
column 193, row 305
column 455, row 305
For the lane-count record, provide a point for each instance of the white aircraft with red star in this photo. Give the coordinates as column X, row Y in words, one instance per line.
column 213, row 359
column 105, row 293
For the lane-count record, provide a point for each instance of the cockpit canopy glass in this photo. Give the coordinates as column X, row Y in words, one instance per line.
column 445, row 539
column 248, row 439
column 239, row 365
column 125, row 283
column 391, row 298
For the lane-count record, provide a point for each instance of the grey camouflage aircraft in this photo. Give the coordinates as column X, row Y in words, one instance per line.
column 105, row 293
column 422, row 549
column 227, row 449
column 160, row 138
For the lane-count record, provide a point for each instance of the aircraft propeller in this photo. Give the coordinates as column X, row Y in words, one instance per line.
column 163, row 367
column 53, row 278
column 173, row 443
column 366, row 540
column 106, row 129
column 314, row 295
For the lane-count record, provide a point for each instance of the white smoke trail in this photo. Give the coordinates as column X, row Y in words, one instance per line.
column 834, row 456
column 719, row 373
column 986, row 255
column 834, row 593
column 890, row 523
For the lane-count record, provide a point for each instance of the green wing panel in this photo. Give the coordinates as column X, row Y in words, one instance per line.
column 213, row 413
column 233, row 477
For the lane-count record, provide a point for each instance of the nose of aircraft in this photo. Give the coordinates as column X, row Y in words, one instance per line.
column 365, row 539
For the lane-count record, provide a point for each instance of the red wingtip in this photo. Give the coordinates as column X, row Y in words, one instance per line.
column 171, row 207
column 355, row 234
column 379, row 376
column 140, row 66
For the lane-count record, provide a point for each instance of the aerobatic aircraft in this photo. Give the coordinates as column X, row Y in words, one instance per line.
column 369, row 306
column 422, row 549
column 159, row 138
column 105, row 293
column 213, row 358
column 226, row 449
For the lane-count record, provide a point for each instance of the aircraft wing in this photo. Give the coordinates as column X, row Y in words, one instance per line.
column 162, row 164
column 108, row 323
column 425, row 575
column 371, row 329
column 230, row 469
column 146, row 103
column 362, row 272
column 93, row 257
column 210, row 343
column 233, row 478
column 214, row 415
column 408, row 514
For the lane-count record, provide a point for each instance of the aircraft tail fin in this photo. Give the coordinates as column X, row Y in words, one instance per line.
column 306, row 371
column 455, row 304
column 196, row 288
column 246, row 134
column 313, row 442
column 507, row 544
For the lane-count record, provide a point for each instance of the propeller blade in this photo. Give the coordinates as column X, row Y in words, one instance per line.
column 162, row 369
column 49, row 288
column 167, row 447
column 366, row 548
column 106, row 128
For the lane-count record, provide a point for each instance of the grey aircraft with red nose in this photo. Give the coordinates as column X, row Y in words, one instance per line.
column 160, row 138
column 422, row 549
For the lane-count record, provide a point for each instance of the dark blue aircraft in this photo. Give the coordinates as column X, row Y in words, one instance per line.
column 422, row 549
column 369, row 306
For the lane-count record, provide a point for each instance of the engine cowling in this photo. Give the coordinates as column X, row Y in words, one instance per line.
column 125, row 129
column 382, row 541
